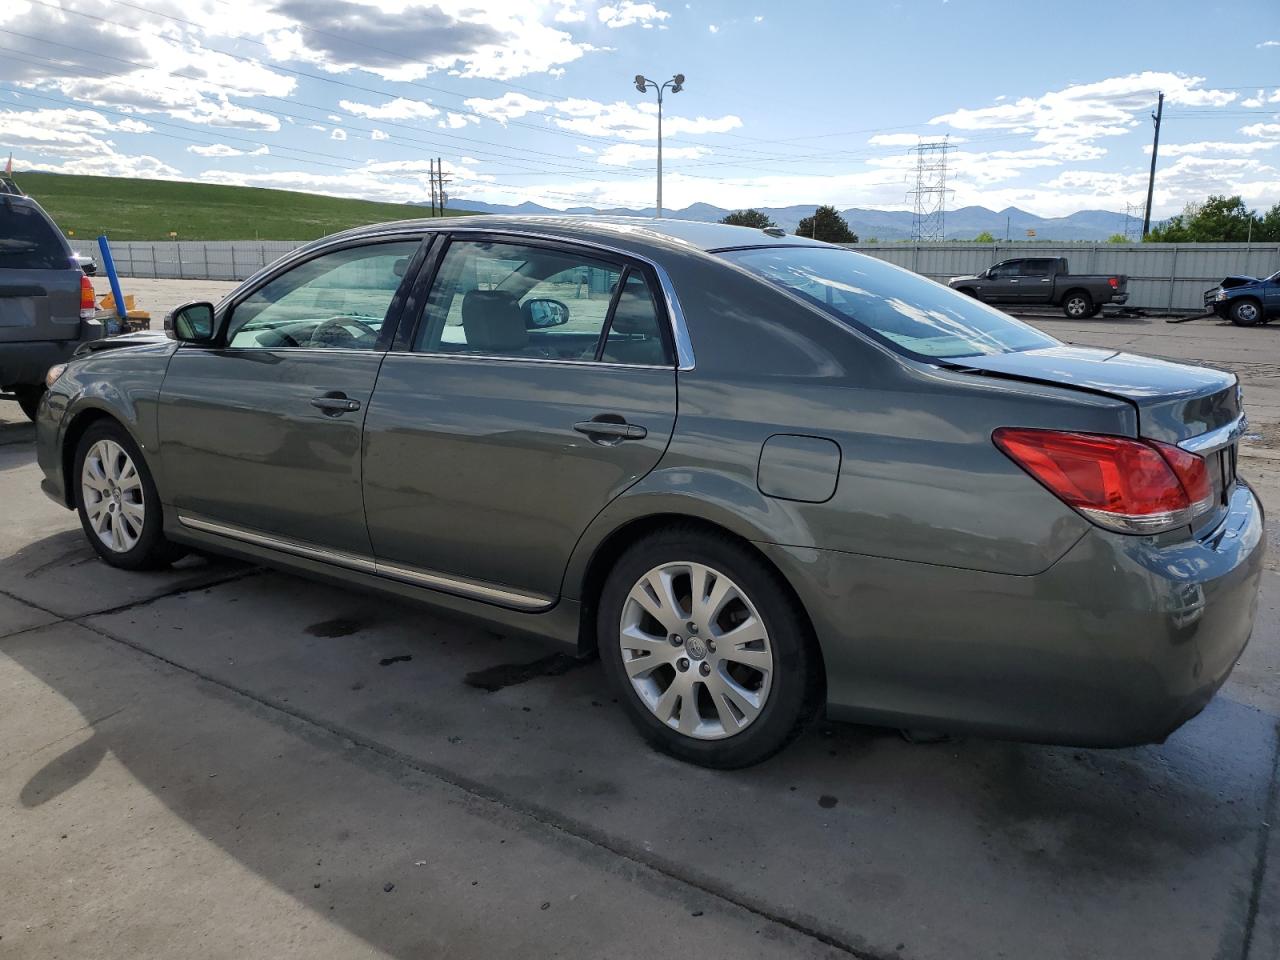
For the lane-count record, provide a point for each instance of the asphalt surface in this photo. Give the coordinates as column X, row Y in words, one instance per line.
column 223, row 761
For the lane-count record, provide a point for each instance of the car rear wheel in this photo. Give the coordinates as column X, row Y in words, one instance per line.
column 1078, row 305
column 117, row 501
column 707, row 649
column 1245, row 313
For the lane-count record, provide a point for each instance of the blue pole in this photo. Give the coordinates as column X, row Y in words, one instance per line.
column 110, row 266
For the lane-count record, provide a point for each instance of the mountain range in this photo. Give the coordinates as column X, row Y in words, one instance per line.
column 962, row 224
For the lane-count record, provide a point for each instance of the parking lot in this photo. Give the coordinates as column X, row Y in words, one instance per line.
column 224, row 761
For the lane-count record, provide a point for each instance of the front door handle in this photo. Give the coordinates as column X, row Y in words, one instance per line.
column 335, row 403
column 610, row 431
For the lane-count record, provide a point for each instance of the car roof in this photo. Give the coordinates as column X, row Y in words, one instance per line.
column 610, row 230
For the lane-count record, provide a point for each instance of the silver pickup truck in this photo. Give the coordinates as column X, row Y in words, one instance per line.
column 46, row 300
column 1044, row 281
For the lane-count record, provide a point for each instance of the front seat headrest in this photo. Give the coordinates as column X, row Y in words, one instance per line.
column 491, row 320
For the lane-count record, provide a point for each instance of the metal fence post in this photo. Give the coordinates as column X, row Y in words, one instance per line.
column 178, row 248
column 205, row 248
column 1173, row 273
column 262, row 254
column 155, row 263
column 235, row 275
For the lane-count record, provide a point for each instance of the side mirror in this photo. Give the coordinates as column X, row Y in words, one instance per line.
column 190, row 323
column 542, row 312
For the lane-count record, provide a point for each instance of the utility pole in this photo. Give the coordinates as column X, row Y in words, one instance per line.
column 1151, row 180
column 441, row 180
column 432, row 178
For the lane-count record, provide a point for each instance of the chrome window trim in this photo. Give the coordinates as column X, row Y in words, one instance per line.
column 675, row 315
column 516, row 358
column 469, row 589
column 1218, row 439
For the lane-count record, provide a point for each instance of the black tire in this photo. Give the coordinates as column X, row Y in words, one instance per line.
column 1078, row 305
column 794, row 691
column 29, row 400
column 151, row 549
column 1245, row 312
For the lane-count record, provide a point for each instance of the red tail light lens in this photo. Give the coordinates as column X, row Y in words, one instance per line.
column 1114, row 281
column 1132, row 486
column 86, row 299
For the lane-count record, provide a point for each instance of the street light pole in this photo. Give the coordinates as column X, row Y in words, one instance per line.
column 644, row 84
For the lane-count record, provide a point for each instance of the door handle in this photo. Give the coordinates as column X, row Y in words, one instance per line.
column 335, row 404
column 610, row 431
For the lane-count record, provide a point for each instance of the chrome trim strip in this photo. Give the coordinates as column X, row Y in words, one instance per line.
column 466, row 588
column 470, row 589
column 396, row 357
column 350, row 560
column 1215, row 440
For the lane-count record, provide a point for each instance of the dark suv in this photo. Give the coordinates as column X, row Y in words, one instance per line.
column 46, row 301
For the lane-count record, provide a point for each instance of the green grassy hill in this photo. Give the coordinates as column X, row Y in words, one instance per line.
column 127, row 209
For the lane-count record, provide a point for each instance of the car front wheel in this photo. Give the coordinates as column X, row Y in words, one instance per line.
column 1245, row 313
column 117, row 501
column 707, row 649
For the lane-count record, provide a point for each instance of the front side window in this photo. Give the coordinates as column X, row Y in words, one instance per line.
column 28, row 241
column 1003, row 271
column 893, row 305
column 516, row 300
column 338, row 300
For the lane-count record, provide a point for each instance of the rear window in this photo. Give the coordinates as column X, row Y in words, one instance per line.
column 28, row 241
column 893, row 305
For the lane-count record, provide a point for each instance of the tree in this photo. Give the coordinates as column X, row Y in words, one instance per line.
column 1268, row 226
column 984, row 237
column 826, row 224
column 1218, row 220
column 748, row 218
column 1117, row 238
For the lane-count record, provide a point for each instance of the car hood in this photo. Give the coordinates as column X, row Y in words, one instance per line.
column 1174, row 400
column 138, row 338
column 973, row 276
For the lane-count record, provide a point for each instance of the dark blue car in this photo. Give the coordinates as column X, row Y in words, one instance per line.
column 1245, row 301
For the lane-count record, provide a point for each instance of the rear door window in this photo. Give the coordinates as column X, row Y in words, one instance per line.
column 28, row 240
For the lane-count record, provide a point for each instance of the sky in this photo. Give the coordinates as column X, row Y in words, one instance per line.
column 1045, row 106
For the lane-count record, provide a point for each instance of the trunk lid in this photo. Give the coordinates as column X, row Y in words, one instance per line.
column 1175, row 401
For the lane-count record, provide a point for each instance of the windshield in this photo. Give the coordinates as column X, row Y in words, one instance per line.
column 895, row 306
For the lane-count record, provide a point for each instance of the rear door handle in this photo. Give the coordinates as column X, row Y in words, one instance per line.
column 606, row 431
column 335, row 403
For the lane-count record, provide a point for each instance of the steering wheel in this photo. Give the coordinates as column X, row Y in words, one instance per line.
column 340, row 323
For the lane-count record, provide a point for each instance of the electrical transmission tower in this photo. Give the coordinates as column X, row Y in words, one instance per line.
column 1133, row 222
column 930, row 194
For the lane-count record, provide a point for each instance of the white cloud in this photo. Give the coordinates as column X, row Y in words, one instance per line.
column 379, row 135
column 1267, row 130
column 469, row 161
column 583, row 148
column 224, row 150
column 1087, row 111
column 713, row 28
column 625, row 154
column 634, row 121
column 401, row 108
column 627, row 13
column 1268, row 43
column 456, row 121
column 338, row 134
column 569, row 12
column 509, row 106
column 1251, row 102
column 1213, row 147
column 905, row 139
column 757, row 19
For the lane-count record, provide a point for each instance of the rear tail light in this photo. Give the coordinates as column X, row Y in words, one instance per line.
column 1115, row 282
column 1127, row 485
column 86, row 299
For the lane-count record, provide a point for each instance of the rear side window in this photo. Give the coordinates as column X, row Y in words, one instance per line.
column 893, row 305
column 28, row 241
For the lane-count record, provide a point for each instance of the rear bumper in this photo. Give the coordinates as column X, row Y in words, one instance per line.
column 24, row 363
column 1119, row 643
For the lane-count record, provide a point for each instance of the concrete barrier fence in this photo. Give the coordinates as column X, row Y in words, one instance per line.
column 1163, row 277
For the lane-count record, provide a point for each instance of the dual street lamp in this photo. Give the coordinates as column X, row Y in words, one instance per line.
column 675, row 85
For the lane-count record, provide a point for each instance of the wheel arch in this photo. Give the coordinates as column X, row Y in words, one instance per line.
column 606, row 553
column 1074, row 290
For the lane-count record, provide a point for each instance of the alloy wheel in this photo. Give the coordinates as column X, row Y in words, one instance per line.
column 113, row 500
column 1247, row 312
column 1076, row 306
column 696, row 650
